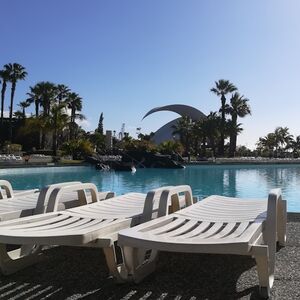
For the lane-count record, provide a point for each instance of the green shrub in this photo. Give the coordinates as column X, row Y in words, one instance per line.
column 12, row 148
column 79, row 149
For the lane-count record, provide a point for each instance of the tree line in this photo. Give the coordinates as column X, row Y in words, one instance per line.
column 279, row 143
column 212, row 131
column 56, row 109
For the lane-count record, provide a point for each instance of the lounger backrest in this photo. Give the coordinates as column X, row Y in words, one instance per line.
column 167, row 195
column 172, row 195
column 57, row 193
column 149, row 202
column 5, row 185
column 271, row 221
column 45, row 193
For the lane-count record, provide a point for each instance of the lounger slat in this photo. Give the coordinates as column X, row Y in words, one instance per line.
column 50, row 226
column 187, row 227
column 215, row 228
column 228, row 228
column 239, row 230
column 62, row 230
column 84, row 223
column 248, row 232
column 199, row 229
column 40, row 232
column 59, row 218
column 168, row 227
column 28, row 220
column 111, row 210
column 153, row 224
column 105, row 214
column 217, row 218
column 80, row 223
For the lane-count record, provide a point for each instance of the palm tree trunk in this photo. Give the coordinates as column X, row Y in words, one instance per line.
column 204, row 147
column 222, row 129
column 36, row 109
column 43, row 142
column 54, row 138
column 232, row 145
column 13, row 88
column 54, row 142
column 40, row 139
column 4, row 84
column 72, row 128
column 233, row 136
column 213, row 147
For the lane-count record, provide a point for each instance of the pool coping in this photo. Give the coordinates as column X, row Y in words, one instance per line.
column 44, row 165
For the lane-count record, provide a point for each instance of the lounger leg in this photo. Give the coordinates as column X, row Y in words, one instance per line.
column 15, row 260
column 118, row 271
column 138, row 268
column 265, row 262
column 281, row 222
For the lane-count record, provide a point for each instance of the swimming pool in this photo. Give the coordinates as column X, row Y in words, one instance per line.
column 230, row 180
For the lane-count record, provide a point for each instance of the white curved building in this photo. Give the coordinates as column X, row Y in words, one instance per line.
column 165, row 132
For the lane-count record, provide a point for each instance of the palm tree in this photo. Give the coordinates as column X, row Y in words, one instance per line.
column 19, row 115
column 4, row 77
column 199, row 137
column 23, row 105
column 267, row 143
column 234, row 129
column 222, row 88
column 211, row 130
column 74, row 102
column 238, row 108
column 295, row 146
column 35, row 97
column 56, row 121
column 16, row 72
column 184, row 129
column 48, row 94
column 62, row 92
column 283, row 138
column 43, row 94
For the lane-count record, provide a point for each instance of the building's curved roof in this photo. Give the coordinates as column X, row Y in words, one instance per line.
column 166, row 132
column 183, row 110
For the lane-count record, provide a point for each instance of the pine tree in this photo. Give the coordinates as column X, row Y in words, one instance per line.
column 100, row 124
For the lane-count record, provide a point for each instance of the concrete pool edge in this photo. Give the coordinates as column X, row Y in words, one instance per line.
column 17, row 166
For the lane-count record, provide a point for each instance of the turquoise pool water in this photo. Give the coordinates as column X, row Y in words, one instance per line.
column 236, row 180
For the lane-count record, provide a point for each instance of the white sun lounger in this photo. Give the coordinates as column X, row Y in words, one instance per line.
column 219, row 225
column 26, row 203
column 93, row 225
column 7, row 192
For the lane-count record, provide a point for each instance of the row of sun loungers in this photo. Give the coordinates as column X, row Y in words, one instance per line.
column 10, row 158
column 164, row 219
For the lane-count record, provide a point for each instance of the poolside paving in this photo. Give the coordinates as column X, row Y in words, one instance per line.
column 80, row 273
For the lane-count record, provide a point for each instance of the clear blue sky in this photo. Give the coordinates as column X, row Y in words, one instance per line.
column 125, row 57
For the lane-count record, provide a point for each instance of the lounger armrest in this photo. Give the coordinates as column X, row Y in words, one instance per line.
column 4, row 184
column 45, row 194
column 171, row 195
column 57, row 193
